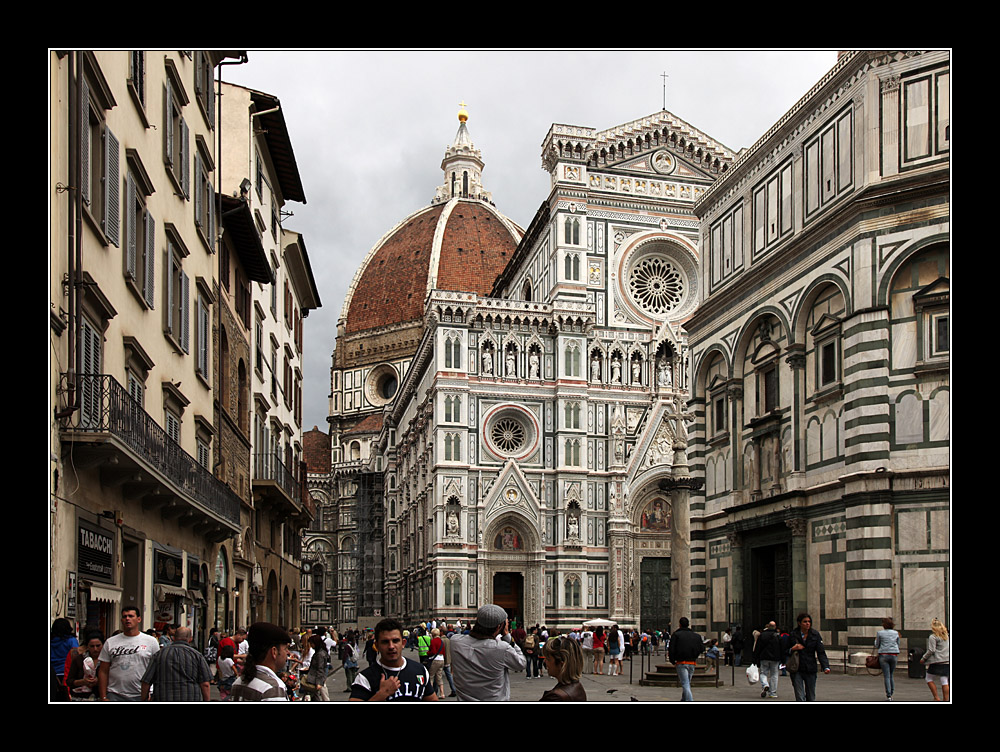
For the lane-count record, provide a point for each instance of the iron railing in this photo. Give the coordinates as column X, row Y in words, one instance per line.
column 267, row 466
column 106, row 407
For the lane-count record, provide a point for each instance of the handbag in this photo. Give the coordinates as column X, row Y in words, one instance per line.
column 872, row 664
column 792, row 664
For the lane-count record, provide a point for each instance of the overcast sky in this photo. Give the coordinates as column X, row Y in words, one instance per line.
column 369, row 129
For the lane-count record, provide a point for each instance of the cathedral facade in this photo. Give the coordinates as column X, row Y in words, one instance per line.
column 697, row 384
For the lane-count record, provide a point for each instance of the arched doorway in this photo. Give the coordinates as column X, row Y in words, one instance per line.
column 511, row 568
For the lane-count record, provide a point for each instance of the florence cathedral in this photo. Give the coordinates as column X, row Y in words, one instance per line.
column 699, row 383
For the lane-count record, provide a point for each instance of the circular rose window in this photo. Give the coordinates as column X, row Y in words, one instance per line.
column 510, row 431
column 507, row 435
column 656, row 285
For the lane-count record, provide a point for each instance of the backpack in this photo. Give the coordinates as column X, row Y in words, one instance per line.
column 529, row 642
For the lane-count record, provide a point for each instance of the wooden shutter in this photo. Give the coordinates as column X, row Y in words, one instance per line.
column 130, row 228
column 168, row 314
column 185, row 160
column 85, row 138
column 185, row 310
column 168, row 126
column 150, row 265
column 112, row 188
column 210, row 200
column 90, row 391
column 198, row 194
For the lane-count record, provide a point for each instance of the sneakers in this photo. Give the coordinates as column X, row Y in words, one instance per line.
column 763, row 692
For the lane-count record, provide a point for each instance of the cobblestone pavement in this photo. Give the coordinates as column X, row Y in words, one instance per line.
column 830, row 688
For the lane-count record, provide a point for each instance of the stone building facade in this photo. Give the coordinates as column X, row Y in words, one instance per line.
column 702, row 384
column 820, row 360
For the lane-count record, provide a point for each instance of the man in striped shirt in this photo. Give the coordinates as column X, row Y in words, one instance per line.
column 265, row 660
column 177, row 672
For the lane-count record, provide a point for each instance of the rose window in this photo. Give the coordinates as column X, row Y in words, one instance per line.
column 656, row 285
column 507, row 435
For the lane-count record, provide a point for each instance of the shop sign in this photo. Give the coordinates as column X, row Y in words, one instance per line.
column 167, row 569
column 95, row 554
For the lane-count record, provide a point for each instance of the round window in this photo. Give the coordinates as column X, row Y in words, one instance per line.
column 656, row 285
column 508, row 435
column 381, row 384
column 510, row 432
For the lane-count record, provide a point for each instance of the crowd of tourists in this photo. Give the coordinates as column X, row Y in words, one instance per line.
column 469, row 661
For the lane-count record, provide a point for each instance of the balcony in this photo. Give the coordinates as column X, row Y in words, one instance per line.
column 276, row 485
column 134, row 453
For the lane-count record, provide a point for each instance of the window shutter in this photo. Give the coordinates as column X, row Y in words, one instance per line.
column 210, row 199
column 185, row 160
column 202, row 336
column 168, row 317
column 185, row 309
column 85, row 138
column 147, row 282
column 130, row 228
column 210, row 94
column 168, row 130
column 198, row 194
column 90, row 392
column 112, row 188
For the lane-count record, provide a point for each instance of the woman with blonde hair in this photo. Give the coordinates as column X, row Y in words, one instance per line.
column 564, row 662
column 936, row 659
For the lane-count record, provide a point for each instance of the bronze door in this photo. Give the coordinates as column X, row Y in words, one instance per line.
column 654, row 594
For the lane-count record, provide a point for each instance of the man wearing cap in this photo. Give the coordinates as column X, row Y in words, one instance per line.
column 392, row 677
column 265, row 660
column 481, row 659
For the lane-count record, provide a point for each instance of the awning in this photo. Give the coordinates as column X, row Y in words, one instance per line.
column 162, row 591
column 195, row 595
column 105, row 593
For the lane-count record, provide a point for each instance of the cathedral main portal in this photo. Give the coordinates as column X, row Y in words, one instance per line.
column 508, row 593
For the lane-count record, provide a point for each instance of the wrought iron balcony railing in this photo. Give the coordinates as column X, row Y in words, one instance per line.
column 107, row 408
column 267, row 466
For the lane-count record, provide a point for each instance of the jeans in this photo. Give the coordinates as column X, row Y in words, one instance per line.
column 684, row 673
column 531, row 665
column 805, row 686
column 769, row 676
column 888, row 664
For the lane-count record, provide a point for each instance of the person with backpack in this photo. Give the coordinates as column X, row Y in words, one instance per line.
column 530, row 650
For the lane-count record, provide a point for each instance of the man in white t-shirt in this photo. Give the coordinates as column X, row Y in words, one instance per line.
column 240, row 638
column 123, row 660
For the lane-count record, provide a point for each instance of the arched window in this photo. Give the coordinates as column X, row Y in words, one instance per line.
column 572, row 591
column 453, row 590
column 317, row 584
column 453, row 351
column 574, row 359
column 573, row 452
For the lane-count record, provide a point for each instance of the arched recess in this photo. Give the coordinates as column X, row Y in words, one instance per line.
column 938, row 243
column 512, row 553
column 817, row 288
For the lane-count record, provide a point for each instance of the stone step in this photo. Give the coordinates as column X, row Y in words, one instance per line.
column 665, row 675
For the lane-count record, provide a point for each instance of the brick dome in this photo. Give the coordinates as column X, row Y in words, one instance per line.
column 461, row 245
